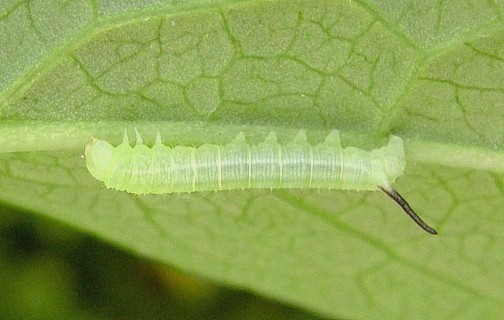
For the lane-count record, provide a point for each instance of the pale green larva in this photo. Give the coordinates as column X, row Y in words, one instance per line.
column 238, row 165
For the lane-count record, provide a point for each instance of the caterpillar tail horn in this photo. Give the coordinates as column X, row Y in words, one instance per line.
column 406, row 207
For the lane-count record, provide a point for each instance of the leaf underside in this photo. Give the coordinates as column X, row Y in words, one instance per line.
column 203, row 71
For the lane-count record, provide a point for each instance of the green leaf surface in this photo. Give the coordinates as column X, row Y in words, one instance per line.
column 202, row 71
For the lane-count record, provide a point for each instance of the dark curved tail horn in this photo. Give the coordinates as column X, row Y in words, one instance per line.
column 406, row 207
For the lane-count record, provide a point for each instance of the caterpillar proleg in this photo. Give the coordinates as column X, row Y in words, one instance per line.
column 238, row 165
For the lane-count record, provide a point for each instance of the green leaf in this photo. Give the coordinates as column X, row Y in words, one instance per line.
column 202, row 71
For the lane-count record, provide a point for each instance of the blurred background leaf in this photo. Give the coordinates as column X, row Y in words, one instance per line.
column 49, row 271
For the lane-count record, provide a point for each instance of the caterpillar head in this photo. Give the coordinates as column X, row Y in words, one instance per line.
column 99, row 155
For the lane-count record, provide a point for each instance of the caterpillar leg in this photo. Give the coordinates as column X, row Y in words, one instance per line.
column 406, row 207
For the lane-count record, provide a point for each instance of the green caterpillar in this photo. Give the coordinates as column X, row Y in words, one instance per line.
column 238, row 165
